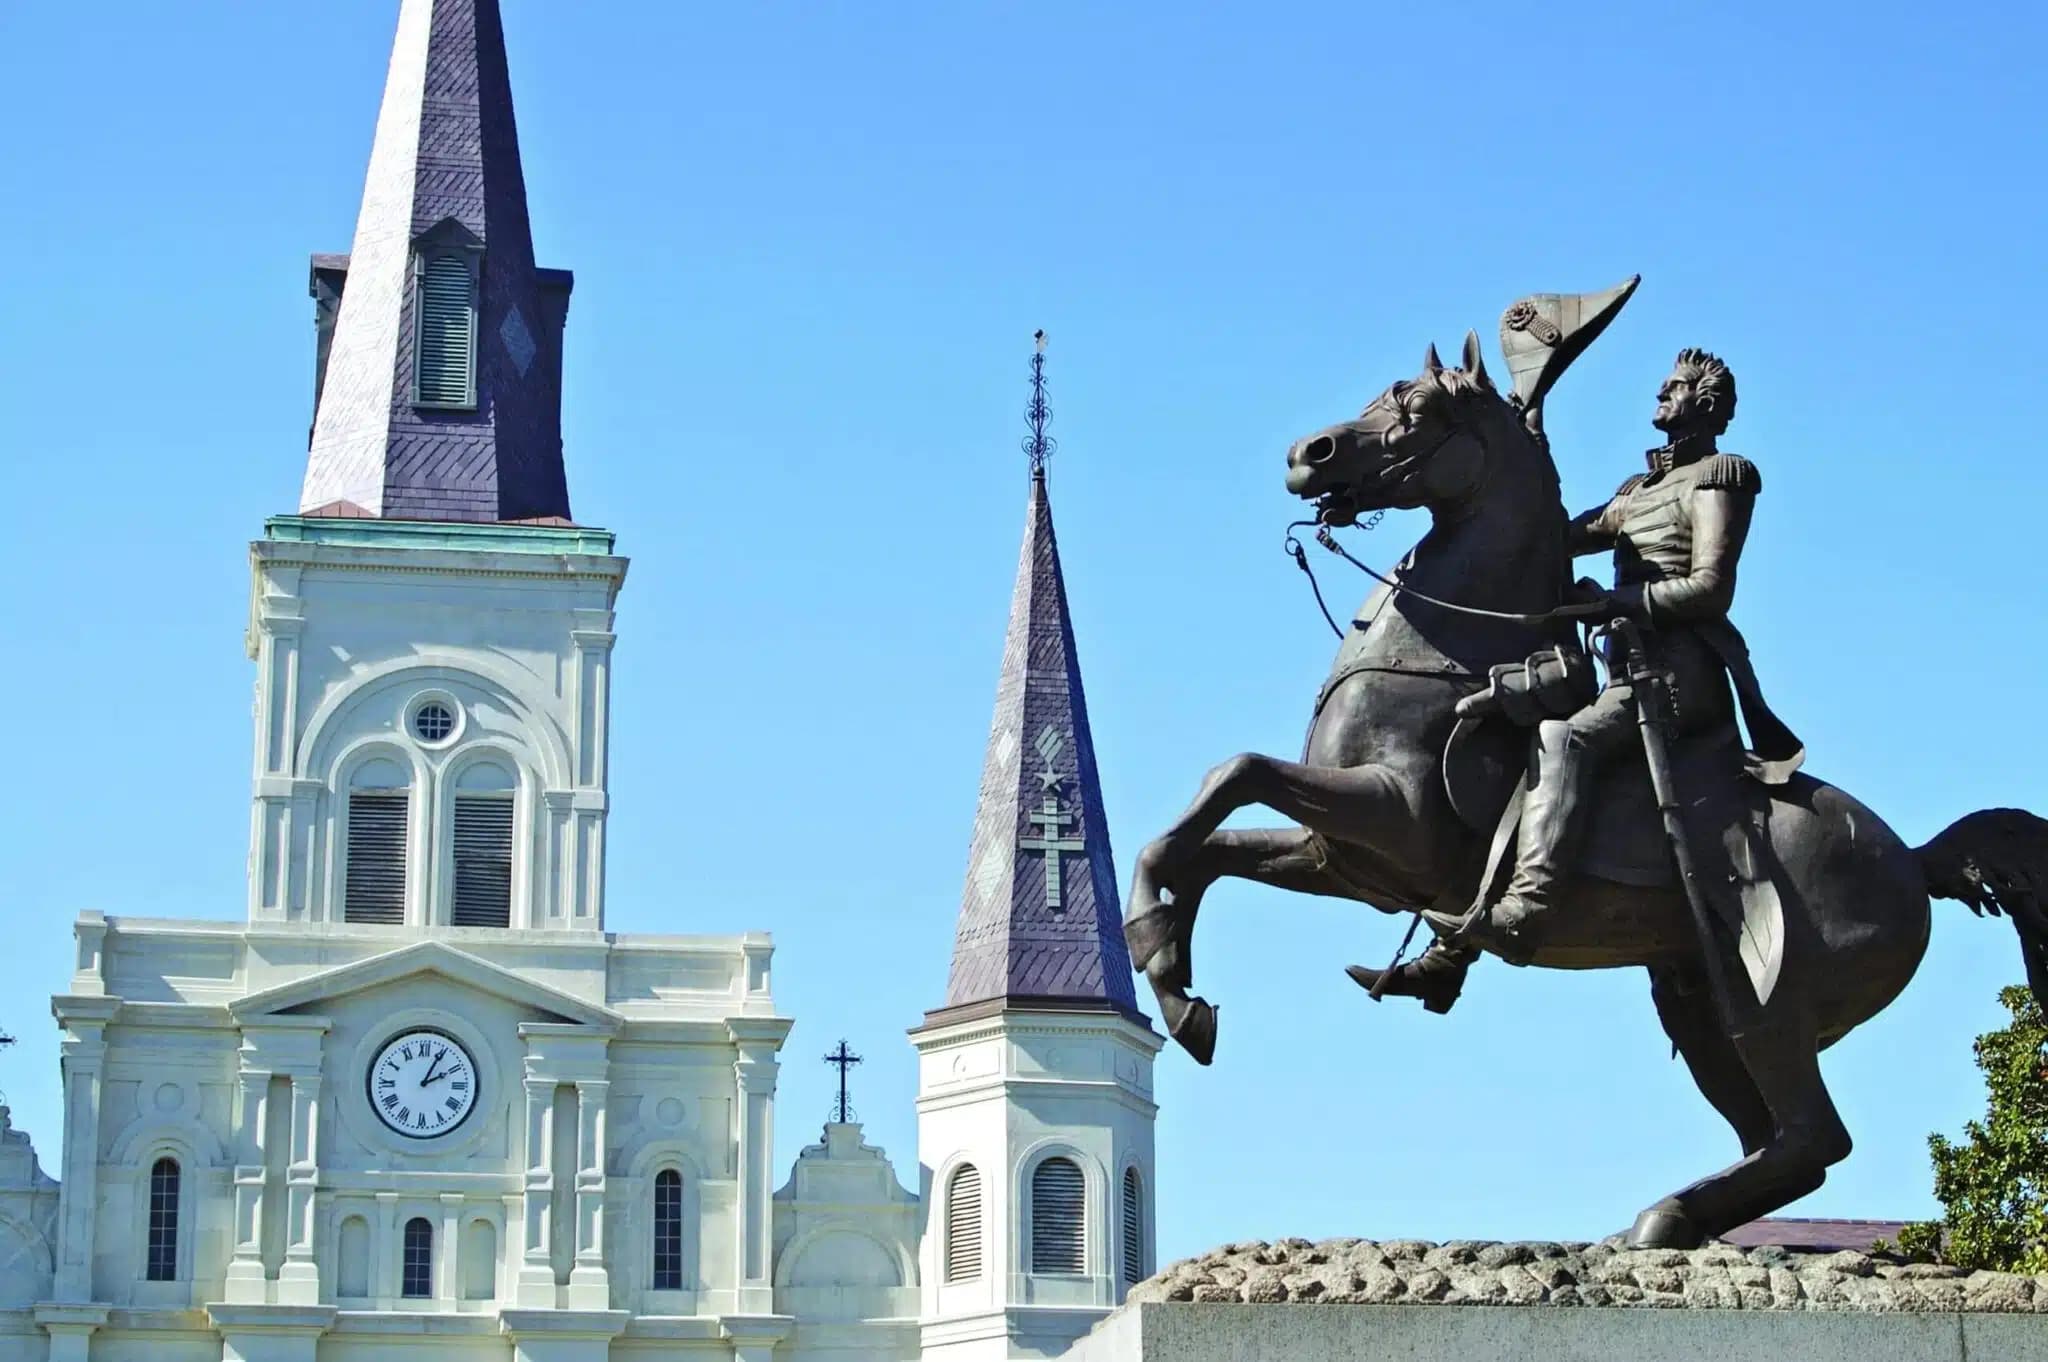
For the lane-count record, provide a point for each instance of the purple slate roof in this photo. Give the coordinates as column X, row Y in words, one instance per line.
column 445, row 165
column 1017, row 944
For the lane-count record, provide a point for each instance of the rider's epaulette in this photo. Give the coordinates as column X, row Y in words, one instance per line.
column 1731, row 471
column 1630, row 483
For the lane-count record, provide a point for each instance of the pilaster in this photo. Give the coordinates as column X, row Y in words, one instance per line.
column 447, row 1267
column 754, row 1071
column 590, row 640
column 270, row 1333
column 84, row 1020
column 589, row 1283
column 536, row 1284
column 245, row 1282
column 70, row 1328
column 299, row 1278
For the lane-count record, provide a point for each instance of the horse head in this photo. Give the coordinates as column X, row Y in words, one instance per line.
column 1434, row 440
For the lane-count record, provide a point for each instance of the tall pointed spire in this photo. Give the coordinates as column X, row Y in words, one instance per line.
column 1039, row 920
column 438, row 388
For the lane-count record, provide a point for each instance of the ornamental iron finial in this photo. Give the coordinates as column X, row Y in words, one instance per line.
column 1038, row 446
column 844, row 1059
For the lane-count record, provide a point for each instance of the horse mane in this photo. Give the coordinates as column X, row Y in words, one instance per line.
column 1471, row 397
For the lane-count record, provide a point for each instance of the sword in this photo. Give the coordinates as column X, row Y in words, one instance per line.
column 1653, row 716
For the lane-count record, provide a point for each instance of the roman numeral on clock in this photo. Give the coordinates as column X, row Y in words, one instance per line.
column 390, row 1100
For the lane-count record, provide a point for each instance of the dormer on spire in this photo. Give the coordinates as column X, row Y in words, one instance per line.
column 1040, row 922
column 438, row 378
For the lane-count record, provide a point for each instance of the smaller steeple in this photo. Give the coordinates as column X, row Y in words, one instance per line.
column 1040, row 921
column 438, row 378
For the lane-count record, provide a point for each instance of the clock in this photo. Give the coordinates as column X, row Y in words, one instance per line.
column 422, row 1083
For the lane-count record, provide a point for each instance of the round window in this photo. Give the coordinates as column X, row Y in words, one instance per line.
column 433, row 721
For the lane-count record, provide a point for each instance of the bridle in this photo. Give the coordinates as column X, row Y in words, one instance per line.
column 1326, row 536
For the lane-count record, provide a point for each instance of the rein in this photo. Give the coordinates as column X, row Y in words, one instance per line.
column 1324, row 536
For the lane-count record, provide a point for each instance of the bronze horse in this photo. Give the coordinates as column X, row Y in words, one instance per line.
column 1377, row 826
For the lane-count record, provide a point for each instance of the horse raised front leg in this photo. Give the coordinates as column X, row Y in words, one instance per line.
column 1173, row 871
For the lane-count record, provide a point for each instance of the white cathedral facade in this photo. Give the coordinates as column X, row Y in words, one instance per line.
column 416, row 1101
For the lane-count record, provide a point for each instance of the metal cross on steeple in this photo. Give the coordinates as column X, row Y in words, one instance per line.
column 845, row 1059
column 1038, row 445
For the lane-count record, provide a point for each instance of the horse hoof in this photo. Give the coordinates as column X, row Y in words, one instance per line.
column 1146, row 933
column 1192, row 1022
column 1665, row 1226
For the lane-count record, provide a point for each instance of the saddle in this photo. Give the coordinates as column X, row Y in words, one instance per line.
column 1726, row 813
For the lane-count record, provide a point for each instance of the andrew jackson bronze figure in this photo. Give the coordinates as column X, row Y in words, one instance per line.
column 1459, row 722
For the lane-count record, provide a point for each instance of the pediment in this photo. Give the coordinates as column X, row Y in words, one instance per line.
column 449, row 233
column 425, row 958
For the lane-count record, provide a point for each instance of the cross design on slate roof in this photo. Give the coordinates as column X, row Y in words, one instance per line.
column 1049, row 819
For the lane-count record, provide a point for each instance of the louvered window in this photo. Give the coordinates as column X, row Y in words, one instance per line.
column 1134, row 1228
column 376, row 855
column 162, row 1265
column 445, row 334
column 483, row 861
column 418, row 1260
column 963, row 1224
column 668, row 1230
column 1058, row 1214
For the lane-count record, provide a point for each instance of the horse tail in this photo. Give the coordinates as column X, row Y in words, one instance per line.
column 1996, row 860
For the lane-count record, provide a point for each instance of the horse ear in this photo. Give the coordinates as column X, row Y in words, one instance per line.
column 1430, row 363
column 1475, row 362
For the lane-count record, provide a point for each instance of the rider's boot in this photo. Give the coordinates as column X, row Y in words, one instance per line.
column 1549, row 838
column 1436, row 976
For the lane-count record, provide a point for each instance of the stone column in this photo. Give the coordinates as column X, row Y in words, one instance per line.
column 298, row 1281
column 755, row 1070
column 536, row 1286
column 84, row 1057
column 589, row 1283
column 245, row 1271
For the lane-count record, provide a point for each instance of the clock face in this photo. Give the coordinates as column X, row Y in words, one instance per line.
column 422, row 1084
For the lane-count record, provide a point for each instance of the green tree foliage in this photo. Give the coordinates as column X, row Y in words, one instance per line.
column 1993, row 1184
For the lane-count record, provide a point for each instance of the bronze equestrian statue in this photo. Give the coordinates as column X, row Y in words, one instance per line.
column 1460, row 721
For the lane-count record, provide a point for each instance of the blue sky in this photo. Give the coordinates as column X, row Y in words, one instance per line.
column 811, row 245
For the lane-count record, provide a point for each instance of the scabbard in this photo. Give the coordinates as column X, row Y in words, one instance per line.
column 1652, row 705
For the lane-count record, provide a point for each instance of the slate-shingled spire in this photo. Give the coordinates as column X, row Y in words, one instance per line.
column 1039, row 919
column 444, row 180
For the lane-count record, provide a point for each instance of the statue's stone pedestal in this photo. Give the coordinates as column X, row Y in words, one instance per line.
column 1507, row 1333
column 1349, row 1300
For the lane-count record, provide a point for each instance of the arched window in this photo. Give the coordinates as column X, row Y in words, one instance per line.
column 1134, row 1227
column 668, row 1230
column 353, row 1279
column 1058, row 1217
column 379, row 808
column 419, row 1259
column 164, row 1188
column 444, row 332
column 483, row 846
column 963, row 1224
